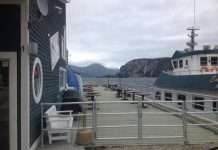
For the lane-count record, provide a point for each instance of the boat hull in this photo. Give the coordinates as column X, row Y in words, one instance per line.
column 204, row 81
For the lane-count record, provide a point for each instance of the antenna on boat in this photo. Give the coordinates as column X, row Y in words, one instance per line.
column 192, row 35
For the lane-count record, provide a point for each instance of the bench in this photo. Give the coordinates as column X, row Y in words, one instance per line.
column 59, row 124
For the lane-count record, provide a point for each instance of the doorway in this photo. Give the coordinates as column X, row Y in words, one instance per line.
column 8, row 100
column 4, row 104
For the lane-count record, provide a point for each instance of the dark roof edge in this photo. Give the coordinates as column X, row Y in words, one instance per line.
column 180, row 54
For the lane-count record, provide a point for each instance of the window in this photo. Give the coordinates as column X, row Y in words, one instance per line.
column 215, row 104
column 181, row 97
column 203, row 61
column 37, row 80
column 198, row 105
column 175, row 64
column 214, row 61
column 180, row 63
column 186, row 63
column 63, row 45
column 168, row 96
column 62, row 78
column 63, row 51
column 158, row 95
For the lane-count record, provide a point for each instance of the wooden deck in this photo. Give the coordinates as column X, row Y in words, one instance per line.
column 152, row 135
column 195, row 133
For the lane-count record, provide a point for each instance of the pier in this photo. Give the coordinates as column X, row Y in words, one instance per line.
column 124, row 123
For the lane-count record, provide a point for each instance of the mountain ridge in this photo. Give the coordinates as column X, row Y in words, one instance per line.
column 145, row 67
column 94, row 70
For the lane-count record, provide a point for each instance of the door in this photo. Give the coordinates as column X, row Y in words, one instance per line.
column 8, row 101
column 4, row 104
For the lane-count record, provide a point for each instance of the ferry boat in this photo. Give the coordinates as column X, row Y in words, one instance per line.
column 194, row 77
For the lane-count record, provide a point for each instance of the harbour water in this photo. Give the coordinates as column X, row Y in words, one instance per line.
column 120, row 81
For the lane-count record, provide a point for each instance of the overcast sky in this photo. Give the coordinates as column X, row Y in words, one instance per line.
column 113, row 32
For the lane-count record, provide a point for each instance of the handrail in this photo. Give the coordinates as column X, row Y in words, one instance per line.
column 94, row 126
column 147, row 88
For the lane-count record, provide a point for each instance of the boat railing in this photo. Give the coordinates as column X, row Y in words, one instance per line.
column 140, row 115
column 190, row 72
column 146, row 89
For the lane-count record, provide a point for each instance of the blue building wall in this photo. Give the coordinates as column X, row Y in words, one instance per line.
column 40, row 32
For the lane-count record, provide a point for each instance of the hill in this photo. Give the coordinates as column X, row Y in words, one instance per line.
column 94, row 70
column 145, row 67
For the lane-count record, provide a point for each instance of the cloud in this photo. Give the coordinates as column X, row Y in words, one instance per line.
column 113, row 32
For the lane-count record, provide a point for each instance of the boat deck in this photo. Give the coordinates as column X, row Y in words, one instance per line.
column 152, row 135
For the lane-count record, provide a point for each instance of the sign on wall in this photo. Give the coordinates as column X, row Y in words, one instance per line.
column 54, row 50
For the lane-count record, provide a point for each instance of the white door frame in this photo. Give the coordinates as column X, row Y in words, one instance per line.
column 12, row 58
column 24, row 71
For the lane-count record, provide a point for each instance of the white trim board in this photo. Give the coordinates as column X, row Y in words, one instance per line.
column 12, row 57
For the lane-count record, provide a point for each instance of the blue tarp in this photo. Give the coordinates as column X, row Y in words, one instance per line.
column 71, row 78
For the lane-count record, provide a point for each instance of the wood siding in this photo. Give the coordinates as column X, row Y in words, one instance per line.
column 40, row 31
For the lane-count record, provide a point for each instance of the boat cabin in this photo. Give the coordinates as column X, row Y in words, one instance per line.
column 195, row 62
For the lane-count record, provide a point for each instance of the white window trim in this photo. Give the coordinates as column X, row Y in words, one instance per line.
column 63, row 45
column 61, row 88
column 37, row 98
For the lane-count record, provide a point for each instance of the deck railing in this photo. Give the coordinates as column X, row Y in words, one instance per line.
column 95, row 113
column 133, row 86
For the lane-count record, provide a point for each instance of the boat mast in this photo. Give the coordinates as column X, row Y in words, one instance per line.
column 192, row 35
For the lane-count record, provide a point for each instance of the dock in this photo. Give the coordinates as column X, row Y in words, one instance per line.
column 159, row 127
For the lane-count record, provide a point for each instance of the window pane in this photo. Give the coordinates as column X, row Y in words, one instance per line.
column 168, row 96
column 62, row 78
column 158, row 95
column 186, row 62
column 37, row 80
column 198, row 105
column 214, row 61
column 180, row 63
column 175, row 64
column 203, row 61
column 181, row 97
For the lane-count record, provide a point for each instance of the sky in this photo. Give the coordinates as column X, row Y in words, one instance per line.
column 113, row 32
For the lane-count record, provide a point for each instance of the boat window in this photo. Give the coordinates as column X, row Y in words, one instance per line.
column 215, row 104
column 181, row 97
column 175, row 64
column 168, row 96
column 203, row 61
column 180, row 63
column 214, row 61
column 186, row 62
column 198, row 105
column 158, row 95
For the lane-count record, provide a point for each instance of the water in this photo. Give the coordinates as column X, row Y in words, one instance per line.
column 126, row 82
column 136, row 81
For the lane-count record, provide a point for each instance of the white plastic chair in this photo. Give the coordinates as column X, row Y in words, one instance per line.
column 59, row 124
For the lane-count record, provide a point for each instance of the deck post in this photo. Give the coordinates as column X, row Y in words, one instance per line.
column 184, row 118
column 42, row 140
column 93, row 122
column 140, row 119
